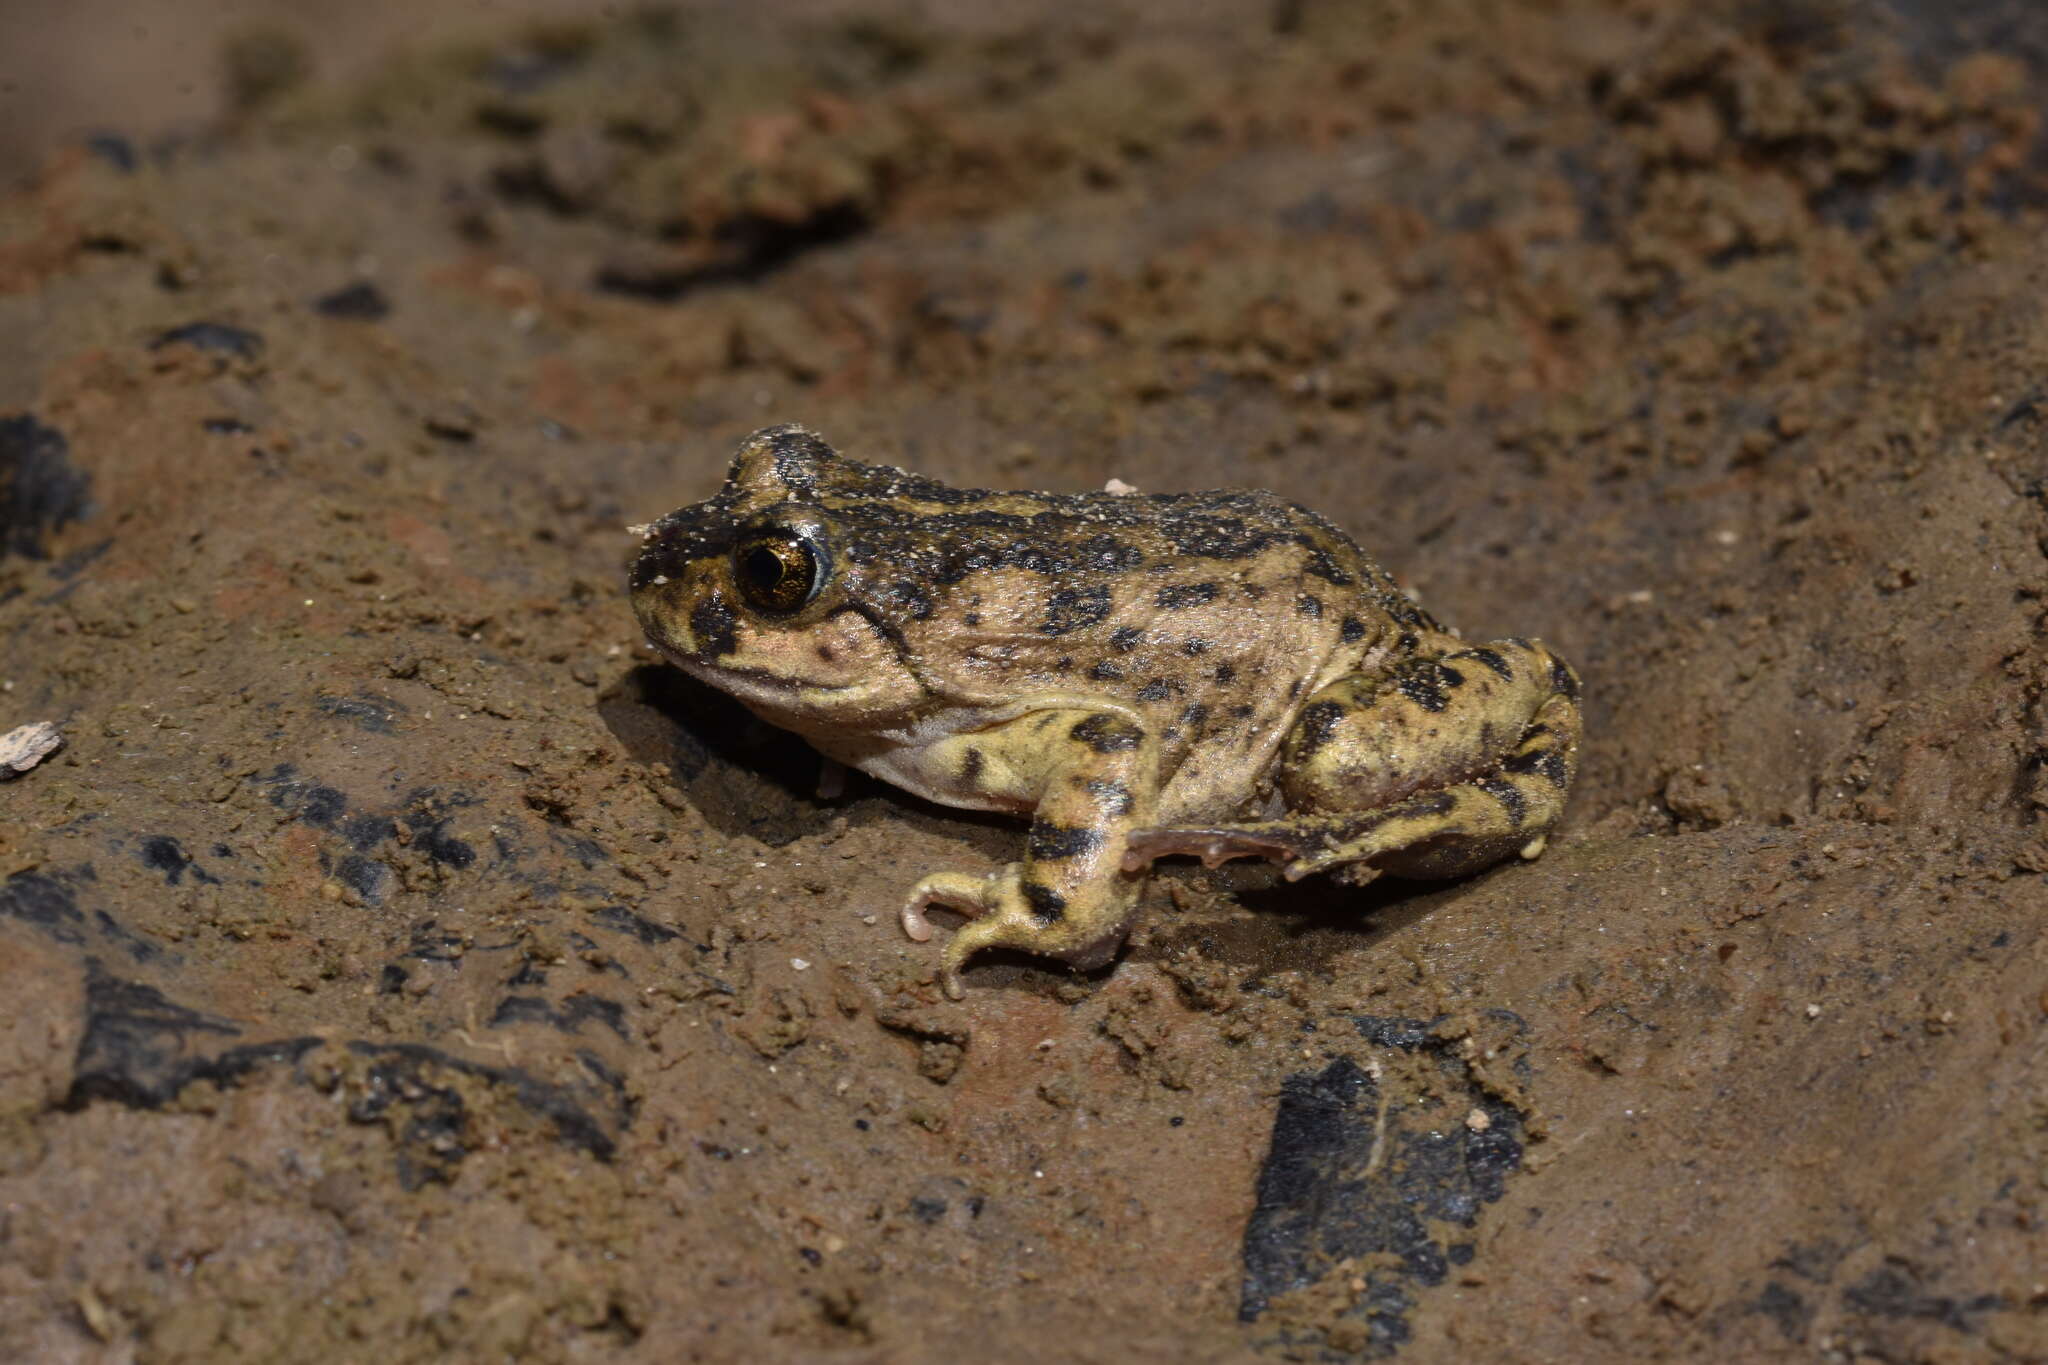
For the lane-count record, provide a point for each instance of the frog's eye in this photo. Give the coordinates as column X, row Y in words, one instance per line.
column 778, row 570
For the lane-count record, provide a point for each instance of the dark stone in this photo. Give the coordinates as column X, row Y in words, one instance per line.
column 323, row 806
column 115, row 150
column 361, row 301
column 751, row 247
column 569, row 1018
column 141, row 1049
column 45, row 902
column 364, row 876
column 1785, row 1307
column 627, row 922
column 217, row 337
column 430, row 943
column 365, row 832
column 168, row 856
column 41, row 491
column 432, row 1117
column 374, row 713
column 1889, row 1291
column 1329, row 1191
column 1392, row 1031
column 428, row 823
column 138, row 1047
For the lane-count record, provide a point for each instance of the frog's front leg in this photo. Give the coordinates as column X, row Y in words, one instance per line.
column 1435, row 767
column 1089, row 778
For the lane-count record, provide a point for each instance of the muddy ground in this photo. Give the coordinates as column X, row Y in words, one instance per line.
column 397, row 964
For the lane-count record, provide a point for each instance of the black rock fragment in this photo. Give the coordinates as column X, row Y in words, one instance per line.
column 41, row 491
column 1355, row 1173
column 361, row 301
column 216, row 337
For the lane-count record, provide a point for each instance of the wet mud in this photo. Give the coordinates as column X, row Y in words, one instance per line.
column 397, row 962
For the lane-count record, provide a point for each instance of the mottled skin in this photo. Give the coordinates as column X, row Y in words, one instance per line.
column 1140, row 675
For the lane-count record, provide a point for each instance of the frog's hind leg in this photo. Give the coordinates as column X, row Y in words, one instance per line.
column 1435, row 768
column 1468, row 825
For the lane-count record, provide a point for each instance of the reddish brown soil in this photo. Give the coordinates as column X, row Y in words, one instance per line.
column 397, row 965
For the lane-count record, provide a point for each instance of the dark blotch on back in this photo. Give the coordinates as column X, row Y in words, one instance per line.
column 1317, row 725
column 1159, row 689
column 911, row 598
column 1547, row 764
column 1105, row 670
column 1309, row 604
column 1106, row 554
column 1492, row 659
column 1070, row 609
column 1322, row 566
column 1424, row 687
column 1107, row 734
column 1509, row 796
column 1125, row 638
column 1184, row 595
column 1563, row 681
column 1209, row 537
column 1352, row 631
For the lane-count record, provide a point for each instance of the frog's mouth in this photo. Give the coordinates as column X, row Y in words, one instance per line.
column 740, row 680
column 782, row 698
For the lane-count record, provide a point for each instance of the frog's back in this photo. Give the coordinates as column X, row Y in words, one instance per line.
column 1210, row 615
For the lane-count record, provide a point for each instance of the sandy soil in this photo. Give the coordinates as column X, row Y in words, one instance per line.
column 397, row 965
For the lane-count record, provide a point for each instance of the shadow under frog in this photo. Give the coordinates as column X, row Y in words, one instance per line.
column 745, row 776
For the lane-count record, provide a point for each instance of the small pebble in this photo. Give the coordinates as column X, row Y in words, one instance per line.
column 25, row 746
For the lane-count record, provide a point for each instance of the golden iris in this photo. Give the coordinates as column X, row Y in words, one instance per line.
column 776, row 570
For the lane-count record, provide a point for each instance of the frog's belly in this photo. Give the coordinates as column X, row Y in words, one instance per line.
column 916, row 759
column 914, row 771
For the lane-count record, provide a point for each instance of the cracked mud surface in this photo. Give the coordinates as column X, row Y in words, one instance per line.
column 398, row 964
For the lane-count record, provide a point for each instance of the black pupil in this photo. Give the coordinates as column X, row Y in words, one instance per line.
column 764, row 568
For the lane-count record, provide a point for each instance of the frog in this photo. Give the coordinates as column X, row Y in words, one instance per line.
column 1222, row 674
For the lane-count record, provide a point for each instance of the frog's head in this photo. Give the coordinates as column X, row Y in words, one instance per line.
column 760, row 591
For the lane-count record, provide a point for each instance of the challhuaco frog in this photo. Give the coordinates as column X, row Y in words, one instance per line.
column 1223, row 674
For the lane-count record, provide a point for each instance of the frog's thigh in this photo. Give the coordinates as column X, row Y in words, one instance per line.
column 1450, row 764
column 1070, row 897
